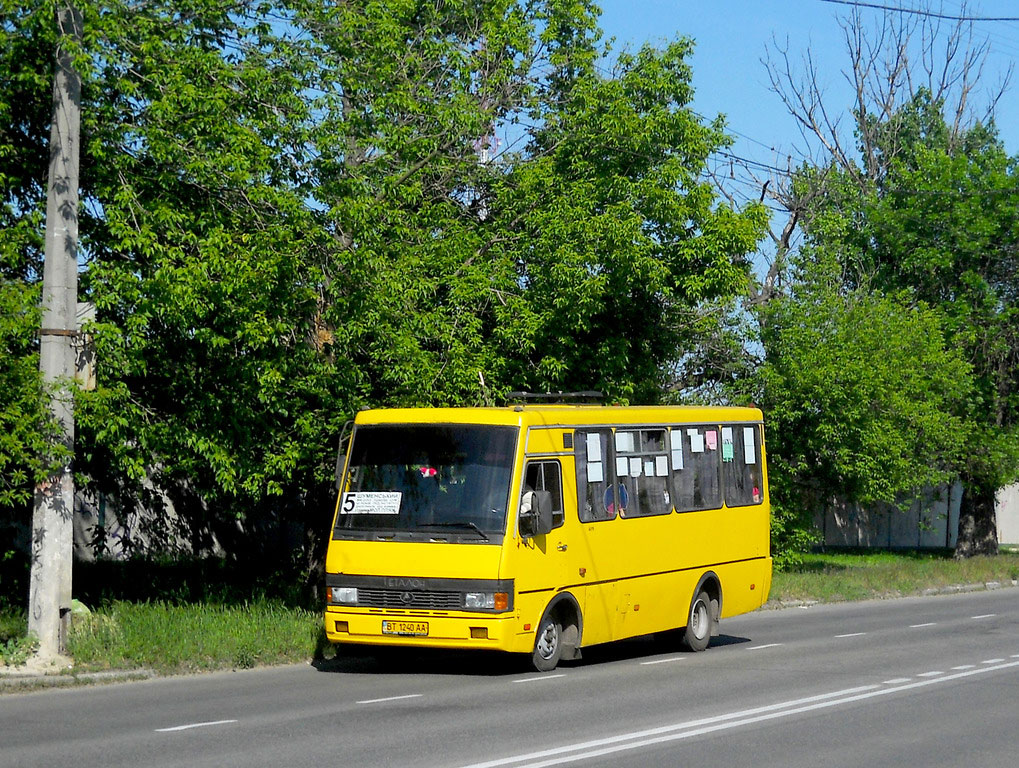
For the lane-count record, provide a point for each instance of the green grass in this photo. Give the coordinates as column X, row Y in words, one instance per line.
column 835, row 577
column 192, row 638
column 176, row 616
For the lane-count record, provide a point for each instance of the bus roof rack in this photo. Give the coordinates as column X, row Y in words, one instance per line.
column 588, row 396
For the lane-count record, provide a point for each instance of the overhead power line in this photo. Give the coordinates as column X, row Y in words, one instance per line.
column 920, row 12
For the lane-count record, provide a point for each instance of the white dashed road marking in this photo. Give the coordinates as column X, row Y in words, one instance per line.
column 391, row 698
column 189, row 726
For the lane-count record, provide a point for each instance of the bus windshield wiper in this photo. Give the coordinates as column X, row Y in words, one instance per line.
column 470, row 526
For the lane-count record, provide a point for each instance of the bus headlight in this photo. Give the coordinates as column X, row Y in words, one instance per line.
column 492, row 601
column 344, row 595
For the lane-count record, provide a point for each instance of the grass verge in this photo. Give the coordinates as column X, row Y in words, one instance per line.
column 171, row 636
column 837, row 577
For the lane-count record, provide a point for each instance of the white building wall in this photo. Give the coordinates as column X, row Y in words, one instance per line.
column 1007, row 513
column 931, row 521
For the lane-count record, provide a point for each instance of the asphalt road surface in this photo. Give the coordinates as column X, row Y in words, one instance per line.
column 911, row 682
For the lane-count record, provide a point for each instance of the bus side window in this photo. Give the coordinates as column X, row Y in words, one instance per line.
column 595, row 492
column 741, row 464
column 642, row 469
column 696, row 477
column 547, row 476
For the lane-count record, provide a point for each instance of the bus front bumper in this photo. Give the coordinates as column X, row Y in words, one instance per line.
column 424, row 630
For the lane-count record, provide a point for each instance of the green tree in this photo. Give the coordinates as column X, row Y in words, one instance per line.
column 862, row 394
column 936, row 230
column 415, row 302
column 291, row 210
column 620, row 239
column 943, row 226
column 26, row 72
column 925, row 194
column 26, row 433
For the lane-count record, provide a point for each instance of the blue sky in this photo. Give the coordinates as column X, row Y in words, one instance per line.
column 731, row 37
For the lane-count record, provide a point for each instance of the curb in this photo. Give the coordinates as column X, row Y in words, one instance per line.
column 21, row 679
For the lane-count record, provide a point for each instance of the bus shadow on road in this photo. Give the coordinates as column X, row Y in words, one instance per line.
column 408, row 661
column 405, row 661
column 649, row 647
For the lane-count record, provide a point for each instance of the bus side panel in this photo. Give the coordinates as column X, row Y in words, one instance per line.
column 745, row 586
column 724, row 535
column 654, row 603
column 643, row 571
column 637, row 576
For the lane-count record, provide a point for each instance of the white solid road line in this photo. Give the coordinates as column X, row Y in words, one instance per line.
column 663, row 729
column 638, row 739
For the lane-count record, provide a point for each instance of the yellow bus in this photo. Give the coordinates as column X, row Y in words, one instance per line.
column 543, row 529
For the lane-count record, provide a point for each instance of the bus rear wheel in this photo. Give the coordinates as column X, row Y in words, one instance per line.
column 548, row 644
column 699, row 623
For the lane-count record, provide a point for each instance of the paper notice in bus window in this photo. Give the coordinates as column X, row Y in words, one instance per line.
column 622, row 466
column 677, row 448
column 649, row 467
column 634, row 467
column 594, row 448
column 595, row 474
column 624, row 442
column 728, row 450
column 711, row 437
column 371, row 503
column 696, row 441
column 661, row 466
column 749, row 449
column 677, row 459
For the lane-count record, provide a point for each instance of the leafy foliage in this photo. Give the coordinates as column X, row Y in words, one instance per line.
column 621, row 238
column 892, row 358
column 940, row 225
column 26, row 444
column 860, row 389
column 291, row 210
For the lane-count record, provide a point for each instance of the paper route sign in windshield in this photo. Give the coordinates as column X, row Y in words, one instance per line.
column 372, row 503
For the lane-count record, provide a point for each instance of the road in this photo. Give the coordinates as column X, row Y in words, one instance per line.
column 917, row 682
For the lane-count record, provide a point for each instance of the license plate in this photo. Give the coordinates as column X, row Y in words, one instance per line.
column 413, row 628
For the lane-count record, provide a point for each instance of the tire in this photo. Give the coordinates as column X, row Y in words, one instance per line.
column 700, row 623
column 548, row 644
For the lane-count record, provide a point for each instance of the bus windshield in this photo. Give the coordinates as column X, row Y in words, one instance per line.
column 428, row 481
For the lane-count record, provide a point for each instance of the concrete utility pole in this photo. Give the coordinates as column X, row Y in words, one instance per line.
column 52, row 533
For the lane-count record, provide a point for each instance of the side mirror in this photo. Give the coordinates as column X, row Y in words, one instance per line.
column 536, row 513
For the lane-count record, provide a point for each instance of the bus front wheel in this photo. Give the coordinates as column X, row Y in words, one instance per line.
column 548, row 643
column 699, row 623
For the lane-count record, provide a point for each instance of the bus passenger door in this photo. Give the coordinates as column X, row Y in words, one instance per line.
column 546, row 475
column 550, row 557
column 597, row 550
